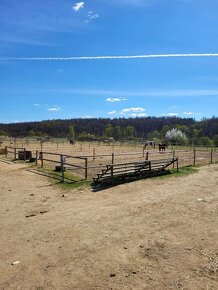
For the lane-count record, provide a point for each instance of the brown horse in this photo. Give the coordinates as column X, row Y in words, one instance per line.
column 106, row 142
column 72, row 141
column 149, row 143
column 162, row 147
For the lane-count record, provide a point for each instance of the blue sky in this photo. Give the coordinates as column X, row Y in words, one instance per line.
column 37, row 89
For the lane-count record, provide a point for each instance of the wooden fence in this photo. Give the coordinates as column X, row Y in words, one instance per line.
column 86, row 166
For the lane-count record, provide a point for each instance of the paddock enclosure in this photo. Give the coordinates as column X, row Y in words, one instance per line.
column 85, row 159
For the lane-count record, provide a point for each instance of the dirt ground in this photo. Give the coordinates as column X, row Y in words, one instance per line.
column 159, row 233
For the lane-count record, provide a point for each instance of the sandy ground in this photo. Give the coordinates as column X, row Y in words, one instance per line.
column 148, row 234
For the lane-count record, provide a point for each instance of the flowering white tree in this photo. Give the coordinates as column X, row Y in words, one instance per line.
column 176, row 136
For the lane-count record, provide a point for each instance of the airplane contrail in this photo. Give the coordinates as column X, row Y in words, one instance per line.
column 111, row 57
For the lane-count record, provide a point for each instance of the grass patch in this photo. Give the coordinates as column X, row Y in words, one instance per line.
column 82, row 184
column 183, row 171
column 71, row 181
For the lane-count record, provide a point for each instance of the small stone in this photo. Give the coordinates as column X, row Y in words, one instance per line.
column 30, row 215
column 202, row 200
column 112, row 275
column 125, row 248
column 134, row 272
column 43, row 211
column 15, row 263
column 63, row 195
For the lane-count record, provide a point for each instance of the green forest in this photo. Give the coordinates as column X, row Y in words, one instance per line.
column 204, row 132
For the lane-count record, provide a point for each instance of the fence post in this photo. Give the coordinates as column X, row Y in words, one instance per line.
column 211, row 155
column 62, row 168
column 112, row 174
column 24, row 151
column 194, row 155
column 6, row 151
column 15, row 153
column 93, row 154
column 177, row 164
column 146, row 156
column 86, row 168
column 143, row 152
column 173, row 158
column 112, row 158
column 37, row 157
column 41, row 157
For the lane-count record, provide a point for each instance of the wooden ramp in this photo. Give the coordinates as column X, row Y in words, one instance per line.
column 139, row 169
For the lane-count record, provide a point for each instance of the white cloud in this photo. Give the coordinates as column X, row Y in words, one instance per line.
column 112, row 100
column 36, row 105
column 138, row 115
column 191, row 113
column 56, row 108
column 112, row 112
column 132, row 110
column 106, row 57
column 78, row 6
column 91, row 15
column 172, row 114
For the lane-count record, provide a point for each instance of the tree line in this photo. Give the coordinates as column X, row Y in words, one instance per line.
column 204, row 132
